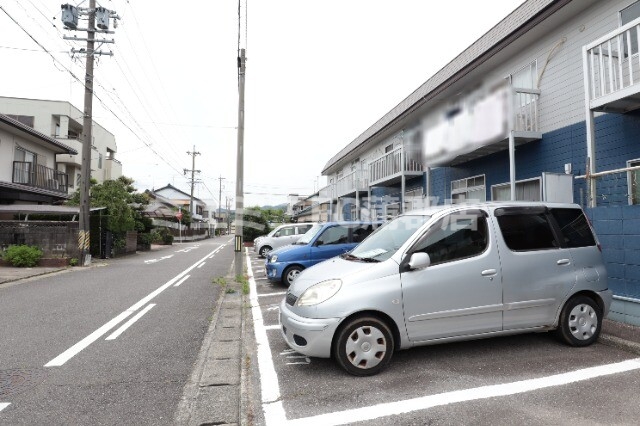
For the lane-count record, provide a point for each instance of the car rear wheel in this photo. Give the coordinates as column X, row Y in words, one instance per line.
column 264, row 251
column 364, row 346
column 580, row 321
column 290, row 274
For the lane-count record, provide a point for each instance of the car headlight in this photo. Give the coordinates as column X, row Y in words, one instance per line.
column 273, row 258
column 318, row 293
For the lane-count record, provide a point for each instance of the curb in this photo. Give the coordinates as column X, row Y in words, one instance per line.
column 617, row 342
column 213, row 393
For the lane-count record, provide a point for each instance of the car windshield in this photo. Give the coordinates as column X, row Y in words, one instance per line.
column 387, row 239
column 308, row 236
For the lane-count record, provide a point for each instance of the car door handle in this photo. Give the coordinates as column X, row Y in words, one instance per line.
column 488, row 272
column 563, row 262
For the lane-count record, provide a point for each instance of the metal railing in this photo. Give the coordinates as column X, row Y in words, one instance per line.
column 526, row 110
column 391, row 164
column 352, row 182
column 612, row 63
column 39, row 176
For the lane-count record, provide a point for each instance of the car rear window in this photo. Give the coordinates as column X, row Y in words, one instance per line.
column 524, row 231
column 574, row 227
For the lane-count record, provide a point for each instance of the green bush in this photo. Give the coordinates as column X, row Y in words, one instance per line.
column 23, row 255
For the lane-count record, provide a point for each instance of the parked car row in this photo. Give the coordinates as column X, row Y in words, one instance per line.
column 280, row 236
column 444, row 274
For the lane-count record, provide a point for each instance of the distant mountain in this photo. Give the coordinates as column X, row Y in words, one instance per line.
column 278, row 207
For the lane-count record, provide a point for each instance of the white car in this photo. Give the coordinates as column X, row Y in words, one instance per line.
column 281, row 236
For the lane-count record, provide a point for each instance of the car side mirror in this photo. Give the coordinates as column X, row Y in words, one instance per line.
column 419, row 261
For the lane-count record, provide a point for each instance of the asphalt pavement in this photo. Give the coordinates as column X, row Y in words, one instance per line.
column 216, row 392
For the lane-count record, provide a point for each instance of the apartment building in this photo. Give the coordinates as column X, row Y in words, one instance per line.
column 544, row 106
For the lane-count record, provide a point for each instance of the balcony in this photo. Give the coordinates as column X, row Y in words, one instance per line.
column 611, row 68
column 353, row 182
column 39, row 176
column 482, row 126
column 390, row 167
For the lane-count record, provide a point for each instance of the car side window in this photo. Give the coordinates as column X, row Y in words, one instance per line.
column 278, row 233
column 361, row 232
column 334, row 235
column 527, row 231
column 456, row 236
column 302, row 229
column 288, row 231
column 574, row 227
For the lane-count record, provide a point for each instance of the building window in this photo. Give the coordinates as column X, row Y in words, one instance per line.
column 469, row 189
column 628, row 14
column 633, row 179
column 24, row 165
column 526, row 190
column 99, row 161
column 27, row 120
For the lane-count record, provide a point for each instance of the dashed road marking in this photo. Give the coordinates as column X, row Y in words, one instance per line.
column 129, row 323
column 181, row 281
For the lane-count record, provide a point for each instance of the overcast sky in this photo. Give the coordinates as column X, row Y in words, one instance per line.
column 319, row 73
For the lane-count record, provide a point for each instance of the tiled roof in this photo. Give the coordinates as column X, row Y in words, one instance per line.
column 26, row 129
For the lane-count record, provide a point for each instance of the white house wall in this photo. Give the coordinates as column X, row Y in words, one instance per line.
column 44, row 113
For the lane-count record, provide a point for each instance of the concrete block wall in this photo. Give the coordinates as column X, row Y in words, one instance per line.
column 618, row 229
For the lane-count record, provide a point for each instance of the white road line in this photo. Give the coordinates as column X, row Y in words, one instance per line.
column 272, row 327
column 129, row 323
column 269, row 386
column 4, row 405
column 282, row 293
column 181, row 281
column 483, row 392
column 82, row 344
column 201, row 265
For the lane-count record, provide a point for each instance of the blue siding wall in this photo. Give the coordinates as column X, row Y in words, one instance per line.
column 616, row 223
column 617, row 140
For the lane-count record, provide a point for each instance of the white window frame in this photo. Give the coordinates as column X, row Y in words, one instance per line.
column 539, row 179
column 466, row 189
column 632, row 163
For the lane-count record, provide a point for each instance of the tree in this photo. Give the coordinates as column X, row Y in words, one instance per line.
column 254, row 223
column 123, row 206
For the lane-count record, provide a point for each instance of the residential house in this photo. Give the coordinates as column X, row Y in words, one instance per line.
column 183, row 200
column 28, row 172
column 544, row 106
column 62, row 121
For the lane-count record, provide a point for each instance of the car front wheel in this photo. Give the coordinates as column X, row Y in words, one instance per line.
column 580, row 321
column 264, row 251
column 290, row 274
column 364, row 346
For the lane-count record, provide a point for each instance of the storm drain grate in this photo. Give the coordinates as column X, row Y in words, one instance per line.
column 15, row 381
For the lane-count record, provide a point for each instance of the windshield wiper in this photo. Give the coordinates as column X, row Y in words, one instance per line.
column 349, row 256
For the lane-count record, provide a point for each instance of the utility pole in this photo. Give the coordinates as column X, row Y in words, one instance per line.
column 239, row 269
column 193, row 170
column 220, row 199
column 70, row 20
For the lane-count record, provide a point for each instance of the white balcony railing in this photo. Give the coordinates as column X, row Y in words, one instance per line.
column 612, row 69
column 390, row 166
column 357, row 180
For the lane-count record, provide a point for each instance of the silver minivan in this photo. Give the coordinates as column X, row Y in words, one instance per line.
column 449, row 273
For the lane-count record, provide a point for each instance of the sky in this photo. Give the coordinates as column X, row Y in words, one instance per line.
column 318, row 74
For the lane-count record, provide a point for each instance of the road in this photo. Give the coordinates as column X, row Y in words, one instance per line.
column 113, row 343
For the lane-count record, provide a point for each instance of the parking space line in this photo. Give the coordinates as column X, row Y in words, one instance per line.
column 129, row 323
column 483, row 392
column 272, row 327
column 282, row 293
column 4, row 405
column 269, row 385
